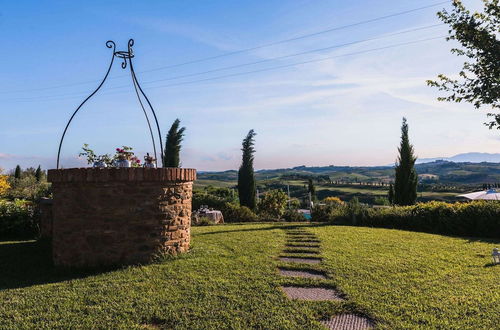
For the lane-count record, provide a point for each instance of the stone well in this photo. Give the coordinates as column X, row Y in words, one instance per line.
column 119, row 216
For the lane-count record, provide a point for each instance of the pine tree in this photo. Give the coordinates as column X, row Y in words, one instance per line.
column 405, row 186
column 38, row 174
column 173, row 145
column 390, row 194
column 246, row 177
column 17, row 172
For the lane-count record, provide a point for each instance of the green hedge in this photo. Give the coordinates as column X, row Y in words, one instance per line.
column 17, row 219
column 478, row 218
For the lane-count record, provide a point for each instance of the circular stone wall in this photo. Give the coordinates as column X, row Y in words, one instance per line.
column 119, row 216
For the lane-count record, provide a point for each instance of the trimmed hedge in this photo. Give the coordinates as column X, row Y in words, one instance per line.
column 17, row 219
column 478, row 218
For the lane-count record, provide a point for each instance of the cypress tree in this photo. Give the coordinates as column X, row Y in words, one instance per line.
column 17, row 172
column 311, row 190
column 38, row 174
column 246, row 177
column 175, row 136
column 390, row 195
column 405, row 185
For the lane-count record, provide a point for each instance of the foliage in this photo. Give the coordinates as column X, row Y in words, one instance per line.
column 4, row 184
column 479, row 79
column 246, row 177
column 213, row 197
column 293, row 215
column 27, row 188
column 171, row 156
column 406, row 179
column 38, row 174
column 380, row 200
column 390, row 194
column 236, row 213
column 204, row 221
column 93, row 158
column 272, row 206
column 17, row 219
column 311, row 189
column 334, row 201
column 17, row 172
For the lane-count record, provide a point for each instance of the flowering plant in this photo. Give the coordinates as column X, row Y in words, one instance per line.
column 126, row 153
column 92, row 158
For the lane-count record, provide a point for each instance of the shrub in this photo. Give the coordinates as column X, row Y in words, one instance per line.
column 17, row 219
column 273, row 205
column 204, row 221
column 236, row 213
column 293, row 216
column 478, row 218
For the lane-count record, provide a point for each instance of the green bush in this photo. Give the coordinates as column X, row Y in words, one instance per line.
column 17, row 219
column 273, row 205
column 293, row 216
column 236, row 213
column 478, row 218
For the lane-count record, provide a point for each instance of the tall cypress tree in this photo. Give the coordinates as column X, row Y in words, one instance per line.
column 405, row 185
column 246, row 177
column 175, row 136
column 311, row 189
column 17, row 172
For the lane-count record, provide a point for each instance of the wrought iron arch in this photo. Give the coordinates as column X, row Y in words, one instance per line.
column 126, row 57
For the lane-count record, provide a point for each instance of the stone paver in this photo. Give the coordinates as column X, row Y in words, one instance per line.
column 348, row 322
column 301, row 260
column 314, row 294
column 302, row 273
column 302, row 246
column 300, row 250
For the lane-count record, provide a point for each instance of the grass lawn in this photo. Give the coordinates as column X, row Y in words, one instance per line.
column 230, row 280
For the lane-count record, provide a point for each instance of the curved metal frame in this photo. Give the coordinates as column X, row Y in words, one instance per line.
column 124, row 55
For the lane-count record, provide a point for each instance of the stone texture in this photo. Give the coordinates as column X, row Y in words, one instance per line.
column 119, row 216
column 314, row 294
column 348, row 322
column 301, row 260
column 302, row 273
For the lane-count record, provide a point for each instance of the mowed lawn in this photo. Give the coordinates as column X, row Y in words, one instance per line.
column 230, row 280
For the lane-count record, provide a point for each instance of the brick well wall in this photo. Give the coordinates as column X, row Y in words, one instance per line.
column 119, row 216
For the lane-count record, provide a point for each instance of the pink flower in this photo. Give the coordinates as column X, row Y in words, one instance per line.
column 138, row 161
column 118, row 149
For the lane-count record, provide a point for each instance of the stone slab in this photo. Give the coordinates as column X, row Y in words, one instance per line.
column 311, row 294
column 301, row 260
column 302, row 273
column 348, row 322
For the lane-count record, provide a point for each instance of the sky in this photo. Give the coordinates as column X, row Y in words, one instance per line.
column 312, row 101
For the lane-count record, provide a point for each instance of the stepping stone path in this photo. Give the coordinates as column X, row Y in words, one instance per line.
column 301, row 242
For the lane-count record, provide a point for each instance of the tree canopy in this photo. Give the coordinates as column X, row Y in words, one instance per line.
column 479, row 80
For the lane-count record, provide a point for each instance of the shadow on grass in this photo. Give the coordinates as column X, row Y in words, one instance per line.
column 274, row 225
column 27, row 263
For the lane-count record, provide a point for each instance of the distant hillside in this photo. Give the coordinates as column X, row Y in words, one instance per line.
column 443, row 172
column 469, row 157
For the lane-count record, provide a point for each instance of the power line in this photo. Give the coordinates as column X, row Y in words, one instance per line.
column 270, row 68
column 255, row 62
column 245, row 50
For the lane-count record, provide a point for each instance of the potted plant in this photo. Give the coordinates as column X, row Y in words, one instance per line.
column 149, row 161
column 124, row 157
column 95, row 160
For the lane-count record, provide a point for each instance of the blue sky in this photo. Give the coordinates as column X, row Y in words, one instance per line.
column 345, row 110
